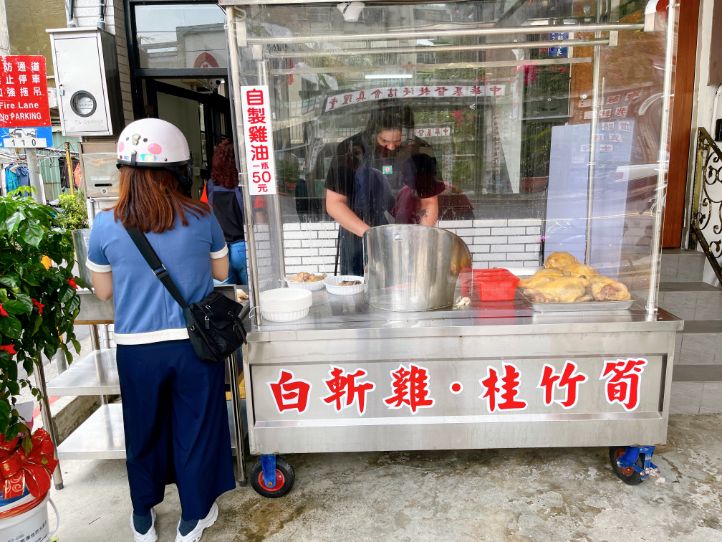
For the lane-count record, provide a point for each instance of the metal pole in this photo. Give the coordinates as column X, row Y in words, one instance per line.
column 61, row 361
column 277, row 231
column 426, row 34
column 237, row 419
column 69, row 165
column 444, row 48
column 235, row 76
column 34, row 172
column 662, row 165
column 48, row 422
column 596, row 83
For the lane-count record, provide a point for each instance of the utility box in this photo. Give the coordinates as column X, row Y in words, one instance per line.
column 87, row 80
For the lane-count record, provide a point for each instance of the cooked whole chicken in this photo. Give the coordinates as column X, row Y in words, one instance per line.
column 607, row 289
column 561, row 290
column 565, row 280
column 560, row 260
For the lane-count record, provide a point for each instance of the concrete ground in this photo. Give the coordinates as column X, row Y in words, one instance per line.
column 495, row 495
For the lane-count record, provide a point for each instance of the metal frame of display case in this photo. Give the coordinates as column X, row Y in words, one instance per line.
column 458, row 345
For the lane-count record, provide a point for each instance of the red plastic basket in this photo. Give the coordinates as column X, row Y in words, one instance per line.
column 494, row 284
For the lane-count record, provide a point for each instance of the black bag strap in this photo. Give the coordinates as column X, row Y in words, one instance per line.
column 150, row 256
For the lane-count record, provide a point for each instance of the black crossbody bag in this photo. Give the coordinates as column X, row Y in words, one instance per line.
column 215, row 323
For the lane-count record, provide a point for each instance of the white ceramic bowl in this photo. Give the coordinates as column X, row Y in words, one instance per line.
column 333, row 285
column 312, row 286
column 285, row 304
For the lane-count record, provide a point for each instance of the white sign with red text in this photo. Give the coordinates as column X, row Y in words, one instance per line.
column 258, row 137
column 346, row 99
column 503, row 387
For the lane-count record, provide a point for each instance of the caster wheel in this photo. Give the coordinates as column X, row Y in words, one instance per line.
column 626, row 474
column 284, row 479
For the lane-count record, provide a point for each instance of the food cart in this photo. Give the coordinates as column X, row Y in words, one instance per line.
column 544, row 118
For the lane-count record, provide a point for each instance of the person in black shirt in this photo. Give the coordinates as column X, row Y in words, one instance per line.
column 226, row 200
column 365, row 173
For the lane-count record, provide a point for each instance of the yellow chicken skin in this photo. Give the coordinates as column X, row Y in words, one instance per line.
column 561, row 290
column 560, row 260
column 540, row 277
column 580, row 270
column 607, row 289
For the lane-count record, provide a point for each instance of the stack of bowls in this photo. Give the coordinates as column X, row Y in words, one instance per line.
column 285, row 304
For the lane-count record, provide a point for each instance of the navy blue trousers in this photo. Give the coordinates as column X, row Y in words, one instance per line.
column 176, row 426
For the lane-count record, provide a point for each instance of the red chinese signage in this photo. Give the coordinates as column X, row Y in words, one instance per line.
column 23, row 92
column 258, row 137
column 499, row 389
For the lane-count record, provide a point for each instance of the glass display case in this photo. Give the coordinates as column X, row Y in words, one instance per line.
column 488, row 178
column 542, row 125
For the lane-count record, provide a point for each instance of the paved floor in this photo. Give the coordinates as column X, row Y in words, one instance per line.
column 516, row 495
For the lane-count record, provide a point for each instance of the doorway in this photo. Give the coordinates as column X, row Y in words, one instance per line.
column 200, row 109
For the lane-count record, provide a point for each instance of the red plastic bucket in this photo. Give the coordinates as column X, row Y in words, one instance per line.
column 494, row 284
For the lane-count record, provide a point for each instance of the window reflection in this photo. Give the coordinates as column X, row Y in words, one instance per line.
column 181, row 36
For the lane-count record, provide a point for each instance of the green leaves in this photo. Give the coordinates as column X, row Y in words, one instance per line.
column 29, row 231
column 73, row 212
column 21, row 305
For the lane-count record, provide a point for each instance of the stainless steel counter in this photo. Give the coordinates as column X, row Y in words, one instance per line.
column 351, row 316
column 344, row 343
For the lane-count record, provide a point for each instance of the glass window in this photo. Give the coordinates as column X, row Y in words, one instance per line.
column 532, row 142
column 181, row 36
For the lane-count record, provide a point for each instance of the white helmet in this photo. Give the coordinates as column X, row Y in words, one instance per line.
column 152, row 143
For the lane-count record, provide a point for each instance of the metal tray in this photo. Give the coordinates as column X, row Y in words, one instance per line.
column 583, row 307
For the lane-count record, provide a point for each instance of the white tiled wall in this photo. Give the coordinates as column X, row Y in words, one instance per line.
column 311, row 246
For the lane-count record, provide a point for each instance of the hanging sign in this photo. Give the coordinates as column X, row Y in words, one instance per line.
column 346, row 99
column 24, row 111
column 258, row 137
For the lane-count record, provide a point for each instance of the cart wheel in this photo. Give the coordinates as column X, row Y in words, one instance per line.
column 284, row 479
column 626, row 474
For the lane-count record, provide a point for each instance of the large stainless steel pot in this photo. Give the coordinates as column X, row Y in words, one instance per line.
column 80, row 240
column 412, row 268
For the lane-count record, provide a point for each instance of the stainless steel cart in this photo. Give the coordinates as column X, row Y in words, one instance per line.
column 493, row 374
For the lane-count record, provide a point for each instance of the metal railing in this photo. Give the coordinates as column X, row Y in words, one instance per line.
column 706, row 223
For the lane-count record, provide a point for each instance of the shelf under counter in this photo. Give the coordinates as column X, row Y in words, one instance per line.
column 93, row 374
column 101, row 436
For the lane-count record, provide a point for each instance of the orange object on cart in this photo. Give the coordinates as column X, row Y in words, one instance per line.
column 494, row 284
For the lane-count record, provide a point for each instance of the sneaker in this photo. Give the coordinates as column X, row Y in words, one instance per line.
column 203, row 524
column 150, row 536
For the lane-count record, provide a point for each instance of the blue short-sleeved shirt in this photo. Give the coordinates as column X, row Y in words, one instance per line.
column 144, row 310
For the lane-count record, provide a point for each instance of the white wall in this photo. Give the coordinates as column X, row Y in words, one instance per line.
column 4, row 36
column 704, row 113
column 311, row 246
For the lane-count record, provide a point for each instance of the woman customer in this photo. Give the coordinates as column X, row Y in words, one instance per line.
column 174, row 409
column 224, row 197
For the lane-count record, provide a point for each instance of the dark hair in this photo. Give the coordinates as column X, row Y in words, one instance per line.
column 150, row 200
column 419, row 173
column 389, row 115
column 223, row 165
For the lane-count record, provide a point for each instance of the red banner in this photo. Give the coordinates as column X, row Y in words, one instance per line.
column 23, row 91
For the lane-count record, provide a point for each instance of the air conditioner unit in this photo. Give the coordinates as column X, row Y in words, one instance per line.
column 87, row 80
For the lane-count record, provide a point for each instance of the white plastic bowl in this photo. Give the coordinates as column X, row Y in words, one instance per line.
column 333, row 285
column 312, row 286
column 285, row 304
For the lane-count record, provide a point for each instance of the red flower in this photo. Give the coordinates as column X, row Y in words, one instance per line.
column 74, row 286
column 39, row 305
column 9, row 348
column 3, row 312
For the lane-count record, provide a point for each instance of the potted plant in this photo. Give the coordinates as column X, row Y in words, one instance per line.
column 73, row 217
column 38, row 305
